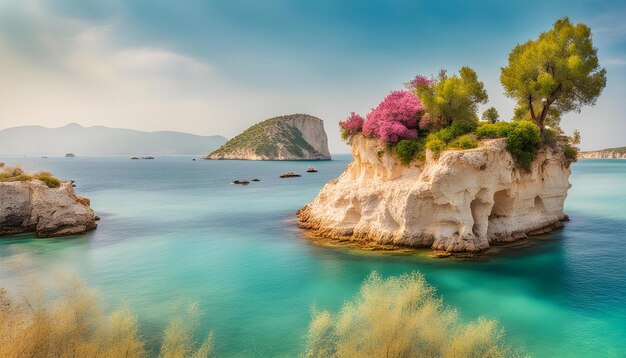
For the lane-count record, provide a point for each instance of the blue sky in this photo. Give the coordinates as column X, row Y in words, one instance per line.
column 216, row 67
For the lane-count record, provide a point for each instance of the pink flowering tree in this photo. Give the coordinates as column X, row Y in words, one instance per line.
column 351, row 126
column 395, row 118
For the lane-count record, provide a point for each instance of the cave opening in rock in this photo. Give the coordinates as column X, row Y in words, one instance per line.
column 502, row 204
column 539, row 203
column 480, row 208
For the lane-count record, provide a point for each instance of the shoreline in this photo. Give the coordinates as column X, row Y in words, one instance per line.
column 334, row 238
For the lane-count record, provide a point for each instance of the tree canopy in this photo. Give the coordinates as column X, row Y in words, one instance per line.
column 491, row 115
column 557, row 73
column 452, row 98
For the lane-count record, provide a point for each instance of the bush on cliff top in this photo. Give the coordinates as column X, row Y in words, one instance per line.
column 396, row 118
column 9, row 174
column 401, row 317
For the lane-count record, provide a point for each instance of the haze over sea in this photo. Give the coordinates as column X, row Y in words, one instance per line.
column 173, row 229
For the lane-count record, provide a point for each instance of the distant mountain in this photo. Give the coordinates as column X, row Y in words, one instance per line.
column 290, row 137
column 97, row 140
column 608, row 153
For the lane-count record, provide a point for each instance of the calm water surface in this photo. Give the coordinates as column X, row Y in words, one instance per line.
column 173, row 229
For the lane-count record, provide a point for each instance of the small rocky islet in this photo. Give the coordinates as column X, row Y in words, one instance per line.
column 42, row 204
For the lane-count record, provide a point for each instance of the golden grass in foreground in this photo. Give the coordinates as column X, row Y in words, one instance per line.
column 68, row 321
column 401, row 317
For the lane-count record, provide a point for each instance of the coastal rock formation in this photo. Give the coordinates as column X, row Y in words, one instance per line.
column 27, row 206
column 610, row 153
column 292, row 137
column 461, row 202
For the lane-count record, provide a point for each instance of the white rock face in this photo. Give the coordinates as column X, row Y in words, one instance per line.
column 32, row 206
column 603, row 154
column 461, row 202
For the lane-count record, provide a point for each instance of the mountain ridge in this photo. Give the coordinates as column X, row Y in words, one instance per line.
column 101, row 140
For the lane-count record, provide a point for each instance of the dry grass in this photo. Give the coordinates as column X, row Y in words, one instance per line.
column 401, row 317
column 397, row 317
column 9, row 174
column 66, row 319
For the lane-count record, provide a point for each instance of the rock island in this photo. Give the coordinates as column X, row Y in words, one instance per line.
column 290, row 137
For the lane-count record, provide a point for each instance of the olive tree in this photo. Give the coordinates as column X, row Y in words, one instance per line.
column 554, row 74
column 491, row 115
column 450, row 98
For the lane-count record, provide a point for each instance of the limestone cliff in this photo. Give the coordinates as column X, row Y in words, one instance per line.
column 27, row 206
column 609, row 153
column 461, row 202
column 292, row 137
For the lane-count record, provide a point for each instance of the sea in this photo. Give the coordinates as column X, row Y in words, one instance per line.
column 174, row 230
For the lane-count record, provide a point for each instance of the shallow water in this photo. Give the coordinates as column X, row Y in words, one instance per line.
column 173, row 228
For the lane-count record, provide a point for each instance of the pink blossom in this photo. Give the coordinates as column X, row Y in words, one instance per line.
column 395, row 118
column 420, row 80
column 353, row 125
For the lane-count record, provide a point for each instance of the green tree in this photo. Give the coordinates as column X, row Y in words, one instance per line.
column 576, row 137
column 451, row 98
column 491, row 115
column 557, row 73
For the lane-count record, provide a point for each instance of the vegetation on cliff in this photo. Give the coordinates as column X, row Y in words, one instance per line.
column 265, row 138
column 9, row 174
column 550, row 76
column 557, row 73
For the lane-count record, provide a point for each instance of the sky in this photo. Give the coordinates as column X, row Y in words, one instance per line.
column 217, row 67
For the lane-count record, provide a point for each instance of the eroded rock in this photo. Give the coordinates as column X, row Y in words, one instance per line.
column 27, row 206
column 461, row 202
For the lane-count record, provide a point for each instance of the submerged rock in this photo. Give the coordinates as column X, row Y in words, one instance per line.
column 27, row 206
column 461, row 202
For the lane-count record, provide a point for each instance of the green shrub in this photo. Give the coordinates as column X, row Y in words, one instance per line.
column 466, row 141
column 493, row 130
column 48, row 179
column 408, row 150
column 435, row 144
column 522, row 141
column 456, row 129
column 571, row 153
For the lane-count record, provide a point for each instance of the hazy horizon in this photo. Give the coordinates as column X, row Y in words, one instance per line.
column 213, row 68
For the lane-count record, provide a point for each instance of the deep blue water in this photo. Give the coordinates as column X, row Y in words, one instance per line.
column 173, row 229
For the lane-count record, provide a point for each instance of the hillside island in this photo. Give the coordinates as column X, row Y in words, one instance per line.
column 289, row 137
column 42, row 204
column 427, row 172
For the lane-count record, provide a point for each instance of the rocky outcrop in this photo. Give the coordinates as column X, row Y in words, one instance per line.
column 292, row 137
column 461, row 202
column 27, row 206
column 611, row 153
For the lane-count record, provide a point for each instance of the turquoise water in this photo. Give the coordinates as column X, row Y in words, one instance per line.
column 173, row 228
